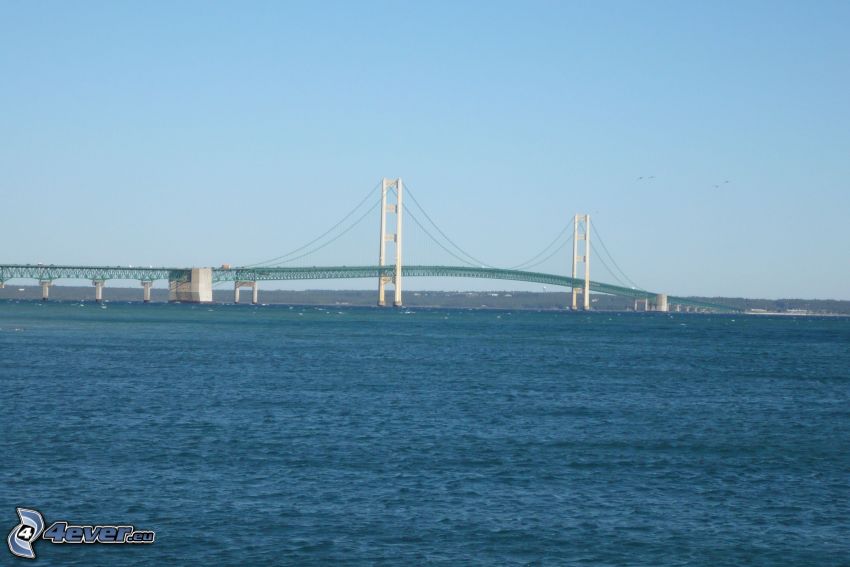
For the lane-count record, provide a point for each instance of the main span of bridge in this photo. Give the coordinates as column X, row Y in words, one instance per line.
column 194, row 285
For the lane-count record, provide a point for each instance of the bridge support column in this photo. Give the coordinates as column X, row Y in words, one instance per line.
column 146, row 294
column 45, row 288
column 193, row 286
column 397, row 208
column 254, row 290
column 661, row 303
column 581, row 231
column 98, row 290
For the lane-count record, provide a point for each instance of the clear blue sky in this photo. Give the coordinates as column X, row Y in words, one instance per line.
column 197, row 133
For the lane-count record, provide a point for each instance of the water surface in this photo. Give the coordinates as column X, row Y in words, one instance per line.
column 355, row 436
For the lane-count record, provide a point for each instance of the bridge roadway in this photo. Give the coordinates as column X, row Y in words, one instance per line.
column 49, row 273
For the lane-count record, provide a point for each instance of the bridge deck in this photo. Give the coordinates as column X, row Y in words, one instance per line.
column 52, row 272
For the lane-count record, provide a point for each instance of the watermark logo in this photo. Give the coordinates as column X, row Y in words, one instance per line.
column 23, row 537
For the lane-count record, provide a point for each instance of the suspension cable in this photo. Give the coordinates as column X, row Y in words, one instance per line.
column 546, row 249
column 331, row 229
column 475, row 261
column 431, row 236
column 547, row 258
column 332, row 240
column 452, row 242
column 602, row 261
column 602, row 242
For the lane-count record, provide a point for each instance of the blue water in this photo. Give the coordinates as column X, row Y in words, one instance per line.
column 275, row 435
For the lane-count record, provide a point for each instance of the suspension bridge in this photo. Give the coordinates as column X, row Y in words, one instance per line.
column 195, row 285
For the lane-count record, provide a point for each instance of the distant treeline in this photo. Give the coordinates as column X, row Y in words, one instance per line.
column 477, row 299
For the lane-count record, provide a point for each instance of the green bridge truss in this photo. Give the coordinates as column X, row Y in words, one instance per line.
column 50, row 273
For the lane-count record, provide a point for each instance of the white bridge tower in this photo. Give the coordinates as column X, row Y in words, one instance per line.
column 391, row 187
column 581, row 231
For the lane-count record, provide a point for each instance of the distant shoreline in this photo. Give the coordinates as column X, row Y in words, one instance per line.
column 499, row 300
column 435, row 307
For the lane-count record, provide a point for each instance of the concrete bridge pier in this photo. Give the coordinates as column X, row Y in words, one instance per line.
column 192, row 286
column 661, row 303
column 98, row 290
column 147, row 291
column 255, row 295
column 45, row 288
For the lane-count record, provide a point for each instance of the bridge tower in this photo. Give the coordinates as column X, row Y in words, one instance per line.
column 581, row 231
column 390, row 187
